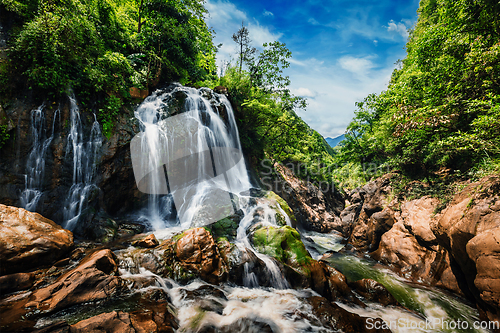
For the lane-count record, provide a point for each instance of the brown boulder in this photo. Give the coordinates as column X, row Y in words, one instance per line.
column 374, row 291
column 417, row 216
column 15, row 282
column 401, row 250
column 29, row 240
column 472, row 212
column 484, row 250
column 112, row 322
column 90, row 281
column 148, row 242
column 336, row 318
column 93, row 279
column 198, row 253
column 368, row 230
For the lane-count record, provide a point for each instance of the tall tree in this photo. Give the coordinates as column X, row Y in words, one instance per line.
column 243, row 40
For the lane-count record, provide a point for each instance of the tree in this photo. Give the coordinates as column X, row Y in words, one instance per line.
column 246, row 51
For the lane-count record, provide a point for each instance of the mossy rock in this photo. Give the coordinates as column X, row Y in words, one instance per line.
column 282, row 243
column 280, row 220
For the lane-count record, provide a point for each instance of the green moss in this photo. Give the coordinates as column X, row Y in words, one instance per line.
column 283, row 244
column 282, row 203
column 226, row 227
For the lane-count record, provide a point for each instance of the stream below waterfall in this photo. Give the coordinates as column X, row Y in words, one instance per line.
column 199, row 125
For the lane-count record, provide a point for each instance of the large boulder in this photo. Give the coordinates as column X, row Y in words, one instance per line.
column 468, row 229
column 317, row 209
column 29, row 240
column 411, row 249
column 92, row 280
column 189, row 255
column 484, row 250
column 197, row 252
column 300, row 269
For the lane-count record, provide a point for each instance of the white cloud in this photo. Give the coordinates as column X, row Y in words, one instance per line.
column 313, row 21
column 260, row 35
column 223, row 11
column 358, row 66
column 303, row 92
column 399, row 28
column 267, row 13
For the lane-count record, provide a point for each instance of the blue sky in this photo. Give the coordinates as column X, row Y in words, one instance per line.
column 342, row 50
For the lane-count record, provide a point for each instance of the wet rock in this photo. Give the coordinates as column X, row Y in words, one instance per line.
column 226, row 227
column 302, row 271
column 373, row 291
column 280, row 206
column 336, row 318
column 90, row 281
column 198, row 253
column 15, row 282
column 208, row 298
column 428, row 264
column 316, row 209
column 148, row 242
column 245, row 268
column 28, row 240
column 112, row 322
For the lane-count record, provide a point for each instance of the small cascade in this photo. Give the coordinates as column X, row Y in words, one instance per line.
column 268, row 217
column 187, row 151
column 85, row 153
column 35, row 166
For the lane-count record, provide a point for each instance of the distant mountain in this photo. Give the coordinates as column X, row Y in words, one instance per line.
column 333, row 142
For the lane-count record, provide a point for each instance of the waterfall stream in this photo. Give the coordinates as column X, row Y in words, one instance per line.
column 35, row 165
column 85, row 155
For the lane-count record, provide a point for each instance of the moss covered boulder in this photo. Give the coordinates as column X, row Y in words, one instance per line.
column 282, row 243
column 301, row 270
column 280, row 206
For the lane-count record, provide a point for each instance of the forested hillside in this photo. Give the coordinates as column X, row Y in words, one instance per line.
column 101, row 49
column 440, row 114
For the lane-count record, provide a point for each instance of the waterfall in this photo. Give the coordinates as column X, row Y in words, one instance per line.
column 85, row 155
column 35, row 165
column 187, row 151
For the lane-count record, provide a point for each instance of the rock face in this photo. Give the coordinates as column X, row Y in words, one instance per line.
column 92, row 280
column 28, row 240
column 315, row 209
column 469, row 230
column 368, row 218
column 411, row 248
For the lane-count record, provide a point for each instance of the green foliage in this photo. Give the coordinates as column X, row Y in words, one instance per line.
column 4, row 136
column 108, row 114
column 102, row 48
column 440, row 112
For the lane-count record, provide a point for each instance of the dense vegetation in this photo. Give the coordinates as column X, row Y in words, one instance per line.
column 440, row 115
column 102, row 48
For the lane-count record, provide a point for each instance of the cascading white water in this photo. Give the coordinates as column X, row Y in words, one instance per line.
column 85, row 153
column 193, row 155
column 35, row 165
